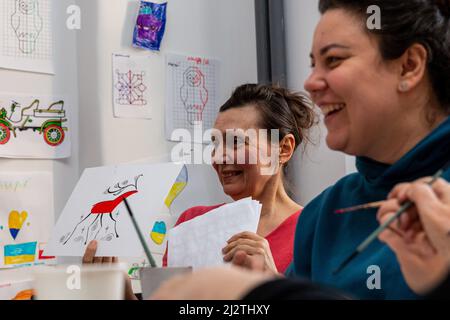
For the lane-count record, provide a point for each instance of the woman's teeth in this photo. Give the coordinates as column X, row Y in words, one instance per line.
column 329, row 108
column 230, row 174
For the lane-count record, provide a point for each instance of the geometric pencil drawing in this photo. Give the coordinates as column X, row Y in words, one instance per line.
column 194, row 94
column 27, row 24
column 130, row 88
column 92, row 225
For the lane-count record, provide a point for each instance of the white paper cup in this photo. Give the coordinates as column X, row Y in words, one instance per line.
column 152, row 278
column 85, row 282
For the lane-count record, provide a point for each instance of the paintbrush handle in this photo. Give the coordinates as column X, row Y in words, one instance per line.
column 374, row 235
column 407, row 205
column 141, row 237
column 369, row 205
column 383, row 226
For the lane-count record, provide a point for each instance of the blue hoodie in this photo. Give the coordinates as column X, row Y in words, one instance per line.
column 324, row 239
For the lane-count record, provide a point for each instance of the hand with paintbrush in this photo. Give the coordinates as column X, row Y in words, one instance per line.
column 421, row 236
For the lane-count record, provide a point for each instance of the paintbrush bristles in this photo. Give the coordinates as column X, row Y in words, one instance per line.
column 361, row 207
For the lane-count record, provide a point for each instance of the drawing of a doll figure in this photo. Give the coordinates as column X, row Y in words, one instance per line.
column 27, row 24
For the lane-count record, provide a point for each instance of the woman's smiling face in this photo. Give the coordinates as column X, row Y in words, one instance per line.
column 353, row 86
column 240, row 180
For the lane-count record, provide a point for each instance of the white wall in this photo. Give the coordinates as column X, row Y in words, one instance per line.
column 64, row 82
column 212, row 28
column 318, row 167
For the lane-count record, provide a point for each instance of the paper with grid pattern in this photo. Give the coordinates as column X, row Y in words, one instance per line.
column 192, row 88
column 26, row 35
column 134, row 85
column 198, row 242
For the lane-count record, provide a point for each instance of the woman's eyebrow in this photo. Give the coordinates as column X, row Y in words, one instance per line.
column 327, row 48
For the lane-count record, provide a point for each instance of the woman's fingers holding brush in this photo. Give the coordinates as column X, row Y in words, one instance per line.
column 386, row 212
column 422, row 267
column 433, row 207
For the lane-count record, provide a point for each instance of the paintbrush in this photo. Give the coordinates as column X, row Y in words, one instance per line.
column 141, row 237
column 407, row 205
column 365, row 206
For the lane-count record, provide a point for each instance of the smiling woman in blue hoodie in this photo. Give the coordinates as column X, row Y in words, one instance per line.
column 385, row 99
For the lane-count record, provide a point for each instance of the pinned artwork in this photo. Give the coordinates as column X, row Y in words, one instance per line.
column 192, row 93
column 150, row 25
column 34, row 127
column 26, row 32
column 26, row 217
column 135, row 85
column 95, row 210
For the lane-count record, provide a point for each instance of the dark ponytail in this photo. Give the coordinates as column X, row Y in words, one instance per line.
column 289, row 112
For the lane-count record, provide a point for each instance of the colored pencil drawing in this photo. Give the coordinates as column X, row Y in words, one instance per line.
column 130, row 88
column 92, row 224
column 45, row 121
column 194, row 94
column 158, row 233
column 16, row 221
column 15, row 254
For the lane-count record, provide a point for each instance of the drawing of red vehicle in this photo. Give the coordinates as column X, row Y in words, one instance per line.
column 48, row 122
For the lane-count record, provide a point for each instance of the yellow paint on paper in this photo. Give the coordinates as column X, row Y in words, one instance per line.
column 177, row 187
column 26, row 258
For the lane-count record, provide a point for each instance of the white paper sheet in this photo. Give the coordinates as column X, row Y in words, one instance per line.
column 26, row 217
column 135, row 85
column 26, row 35
column 95, row 209
column 192, row 89
column 34, row 127
column 199, row 242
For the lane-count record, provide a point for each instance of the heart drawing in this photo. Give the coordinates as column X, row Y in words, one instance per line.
column 15, row 222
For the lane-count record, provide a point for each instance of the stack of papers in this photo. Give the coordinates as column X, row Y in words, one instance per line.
column 199, row 242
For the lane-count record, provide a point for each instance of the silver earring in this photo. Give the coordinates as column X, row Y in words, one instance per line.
column 403, row 87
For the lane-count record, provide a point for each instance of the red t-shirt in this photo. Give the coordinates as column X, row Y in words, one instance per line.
column 281, row 240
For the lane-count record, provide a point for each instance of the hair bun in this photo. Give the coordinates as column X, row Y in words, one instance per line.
column 443, row 6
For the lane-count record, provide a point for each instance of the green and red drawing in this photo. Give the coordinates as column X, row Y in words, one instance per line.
column 47, row 122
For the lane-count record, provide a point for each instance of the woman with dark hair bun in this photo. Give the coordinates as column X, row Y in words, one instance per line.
column 254, row 107
column 243, row 127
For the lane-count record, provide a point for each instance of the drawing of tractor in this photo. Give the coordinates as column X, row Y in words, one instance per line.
column 48, row 122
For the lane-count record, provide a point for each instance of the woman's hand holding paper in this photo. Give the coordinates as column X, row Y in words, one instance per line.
column 251, row 251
